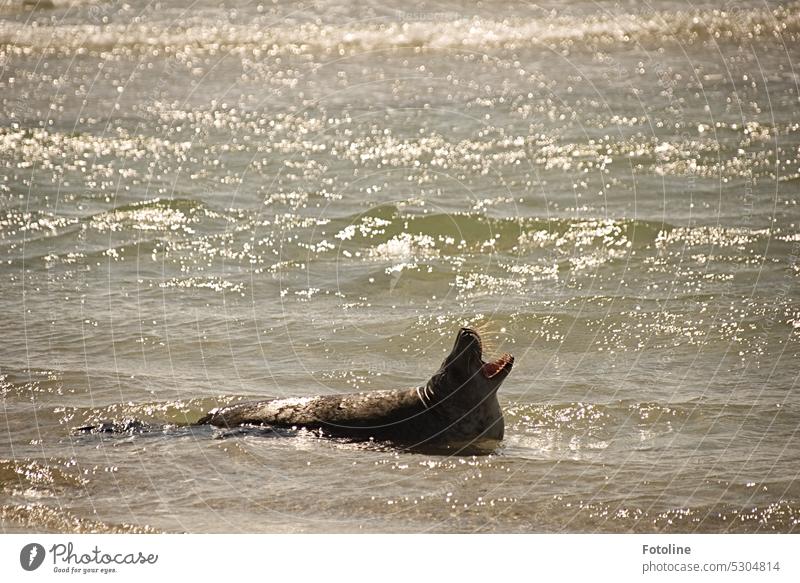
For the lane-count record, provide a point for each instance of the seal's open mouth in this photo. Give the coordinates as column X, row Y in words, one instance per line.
column 504, row 363
column 489, row 369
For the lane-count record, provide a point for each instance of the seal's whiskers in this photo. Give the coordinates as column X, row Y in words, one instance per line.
column 490, row 333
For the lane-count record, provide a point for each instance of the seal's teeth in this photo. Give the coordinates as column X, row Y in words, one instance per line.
column 503, row 363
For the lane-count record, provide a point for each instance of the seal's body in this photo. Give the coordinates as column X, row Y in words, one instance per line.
column 458, row 406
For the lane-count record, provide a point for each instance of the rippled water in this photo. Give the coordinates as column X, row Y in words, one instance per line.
column 205, row 202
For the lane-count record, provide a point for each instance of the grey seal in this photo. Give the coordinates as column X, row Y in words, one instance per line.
column 456, row 408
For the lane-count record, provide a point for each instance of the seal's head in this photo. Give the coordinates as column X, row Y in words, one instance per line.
column 464, row 370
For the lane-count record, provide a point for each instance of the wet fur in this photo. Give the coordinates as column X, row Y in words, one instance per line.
column 458, row 405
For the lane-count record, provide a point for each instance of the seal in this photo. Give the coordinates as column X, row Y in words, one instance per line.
column 457, row 407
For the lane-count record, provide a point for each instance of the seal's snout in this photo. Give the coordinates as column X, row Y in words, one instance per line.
column 467, row 357
column 468, row 337
column 467, row 332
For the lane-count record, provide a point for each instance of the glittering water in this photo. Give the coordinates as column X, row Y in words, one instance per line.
column 204, row 202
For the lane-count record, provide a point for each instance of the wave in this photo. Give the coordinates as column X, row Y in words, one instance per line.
column 468, row 33
column 512, row 232
column 16, row 6
column 42, row 147
column 643, row 516
column 44, row 518
column 577, row 417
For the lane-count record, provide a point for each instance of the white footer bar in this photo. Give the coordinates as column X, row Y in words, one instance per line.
column 408, row 558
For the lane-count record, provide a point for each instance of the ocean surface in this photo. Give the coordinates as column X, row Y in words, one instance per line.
column 204, row 202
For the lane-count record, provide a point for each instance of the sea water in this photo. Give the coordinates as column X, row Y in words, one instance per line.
column 213, row 201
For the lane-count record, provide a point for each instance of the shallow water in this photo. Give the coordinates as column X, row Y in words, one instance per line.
column 207, row 202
